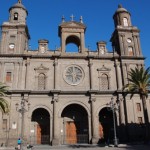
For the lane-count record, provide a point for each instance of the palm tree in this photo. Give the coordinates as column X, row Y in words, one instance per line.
column 139, row 83
column 4, row 107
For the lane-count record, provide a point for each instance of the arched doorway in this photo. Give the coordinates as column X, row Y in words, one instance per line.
column 75, row 121
column 42, row 127
column 106, row 128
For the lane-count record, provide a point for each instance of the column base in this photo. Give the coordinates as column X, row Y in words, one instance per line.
column 55, row 142
column 95, row 140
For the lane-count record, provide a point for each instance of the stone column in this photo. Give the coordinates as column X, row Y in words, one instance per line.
column 91, row 77
column 51, row 128
column 27, row 75
column 125, row 47
column 63, row 40
column 94, row 121
column 121, row 44
column 119, row 85
column 56, row 136
column 4, row 42
column 121, row 110
column 15, row 76
column 19, row 86
column 139, row 46
column 82, row 42
column 135, row 45
column 56, row 74
column 23, row 75
column 20, row 46
column 124, row 74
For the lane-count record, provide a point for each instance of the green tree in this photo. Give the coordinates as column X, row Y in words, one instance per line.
column 139, row 83
column 4, row 106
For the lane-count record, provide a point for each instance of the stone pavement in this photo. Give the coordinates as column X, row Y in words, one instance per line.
column 84, row 147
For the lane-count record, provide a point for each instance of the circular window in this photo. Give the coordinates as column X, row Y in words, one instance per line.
column 73, row 75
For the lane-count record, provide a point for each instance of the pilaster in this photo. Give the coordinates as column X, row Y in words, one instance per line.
column 118, row 74
column 94, row 120
column 27, row 75
column 20, row 75
column 91, row 75
column 56, row 76
column 55, row 140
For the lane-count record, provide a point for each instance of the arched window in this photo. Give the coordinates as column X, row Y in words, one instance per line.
column 130, row 51
column 72, row 48
column 104, row 82
column 15, row 16
column 41, row 81
column 125, row 22
column 73, row 44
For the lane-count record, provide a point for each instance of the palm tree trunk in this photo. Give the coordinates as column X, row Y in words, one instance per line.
column 146, row 118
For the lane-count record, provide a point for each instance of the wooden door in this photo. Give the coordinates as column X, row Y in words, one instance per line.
column 38, row 134
column 71, row 133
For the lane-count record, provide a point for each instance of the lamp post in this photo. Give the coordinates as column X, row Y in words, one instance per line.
column 112, row 107
column 22, row 109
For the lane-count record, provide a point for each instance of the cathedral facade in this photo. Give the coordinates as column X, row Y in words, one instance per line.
column 58, row 97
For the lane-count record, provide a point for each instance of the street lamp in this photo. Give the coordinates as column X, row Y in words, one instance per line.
column 22, row 109
column 113, row 108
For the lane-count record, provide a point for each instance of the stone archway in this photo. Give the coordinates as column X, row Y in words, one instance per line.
column 41, row 117
column 106, row 130
column 75, row 121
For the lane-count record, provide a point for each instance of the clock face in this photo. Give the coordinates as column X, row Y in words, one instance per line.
column 11, row 46
column 129, row 40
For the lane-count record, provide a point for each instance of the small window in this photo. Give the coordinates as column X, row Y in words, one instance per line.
column 4, row 124
column 125, row 22
column 138, row 107
column 15, row 16
column 41, row 81
column 140, row 120
column 104, row 82
column 8, row 76
column 130, row 51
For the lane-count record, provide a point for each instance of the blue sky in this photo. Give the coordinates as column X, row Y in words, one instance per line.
column 44, row 17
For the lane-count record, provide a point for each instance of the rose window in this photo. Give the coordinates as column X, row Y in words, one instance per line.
column 73, row 75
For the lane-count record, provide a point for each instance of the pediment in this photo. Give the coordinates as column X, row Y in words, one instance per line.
column 103, row 68
column 41, row 68
column 72, row 24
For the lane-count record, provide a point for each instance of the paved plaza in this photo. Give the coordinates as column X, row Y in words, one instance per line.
column 84, row 147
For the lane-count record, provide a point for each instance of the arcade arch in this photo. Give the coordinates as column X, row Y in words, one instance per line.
column 41, row 119
column 75, row 124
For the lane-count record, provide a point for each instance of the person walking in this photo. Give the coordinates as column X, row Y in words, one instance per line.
column 19, row 144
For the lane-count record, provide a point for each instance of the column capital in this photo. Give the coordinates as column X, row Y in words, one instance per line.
column 27, row 62
column 92, row 98
column 20, row 63
column 55, row 62
column 55, row 98
column 90, row 63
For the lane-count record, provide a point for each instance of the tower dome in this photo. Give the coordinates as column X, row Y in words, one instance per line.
column 121, row 9
column 122, row 17
column 18, row 12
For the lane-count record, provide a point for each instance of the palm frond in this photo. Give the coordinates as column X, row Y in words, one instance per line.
column 4, row 106
column 139, row 82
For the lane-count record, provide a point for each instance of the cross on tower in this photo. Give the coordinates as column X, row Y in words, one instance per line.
column 72, row 17
column 19, row 1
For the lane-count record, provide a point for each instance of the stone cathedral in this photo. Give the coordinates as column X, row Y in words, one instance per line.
column 58, row 97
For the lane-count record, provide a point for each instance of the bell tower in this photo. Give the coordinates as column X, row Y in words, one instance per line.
column 125, row 39
column 72, row 32
column 15, row 33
